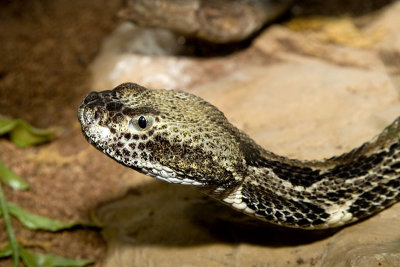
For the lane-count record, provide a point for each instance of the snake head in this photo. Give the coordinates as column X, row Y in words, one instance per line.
column 171, row 135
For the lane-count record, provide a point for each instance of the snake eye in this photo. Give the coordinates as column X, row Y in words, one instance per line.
column 141, row 122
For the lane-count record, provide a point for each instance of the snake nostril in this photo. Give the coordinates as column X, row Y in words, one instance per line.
column 90, row 116
column 97, row 115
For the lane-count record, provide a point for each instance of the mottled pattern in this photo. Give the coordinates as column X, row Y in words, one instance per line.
column 183, row 139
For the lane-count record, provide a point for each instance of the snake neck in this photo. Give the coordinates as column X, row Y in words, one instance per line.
column 321, row 194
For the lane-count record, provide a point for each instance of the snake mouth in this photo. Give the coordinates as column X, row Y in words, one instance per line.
column 91, row 114
column 81, row 117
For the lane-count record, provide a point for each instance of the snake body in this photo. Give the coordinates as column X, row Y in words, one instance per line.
column 180, row 138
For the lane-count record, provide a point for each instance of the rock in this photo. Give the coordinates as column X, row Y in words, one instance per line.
column 216, row 21
column 371, row 243
column 296, row 95
column 128, row 38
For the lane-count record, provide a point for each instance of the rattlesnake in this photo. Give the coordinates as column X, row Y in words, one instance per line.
column 180, row 138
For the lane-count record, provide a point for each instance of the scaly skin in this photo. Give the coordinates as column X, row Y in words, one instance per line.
column 180, row 138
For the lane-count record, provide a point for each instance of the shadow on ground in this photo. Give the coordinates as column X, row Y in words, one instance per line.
column 172, row 215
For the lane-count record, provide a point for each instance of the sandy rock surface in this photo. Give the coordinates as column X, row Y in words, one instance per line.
column 301, row 94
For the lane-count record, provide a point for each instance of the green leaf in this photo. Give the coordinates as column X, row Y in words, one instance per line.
column 9, row 229
column 6, row 251
column 22, row 134
column 36, row 222
column 6, row 125
column 47, row 260
column 11, row 179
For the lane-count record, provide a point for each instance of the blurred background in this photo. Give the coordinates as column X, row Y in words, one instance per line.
column 306, row 79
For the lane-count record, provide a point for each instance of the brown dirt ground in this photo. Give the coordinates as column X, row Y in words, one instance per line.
column 45, row 49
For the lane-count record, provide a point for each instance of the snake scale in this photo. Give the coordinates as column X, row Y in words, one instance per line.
column 180, row 138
